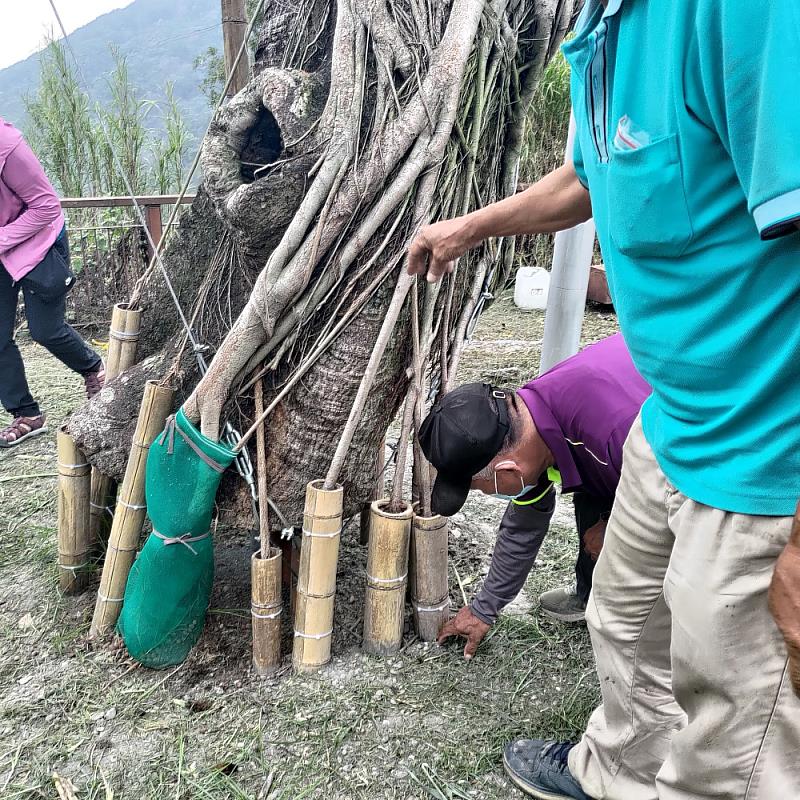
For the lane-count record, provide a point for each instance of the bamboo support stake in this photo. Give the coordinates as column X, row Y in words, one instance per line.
column 430, row 591
column 265, row 569
column 123, row 339
column 265, row 610
column 129, row 518
column 74, row 540
column 387, row 575
column 316, row 579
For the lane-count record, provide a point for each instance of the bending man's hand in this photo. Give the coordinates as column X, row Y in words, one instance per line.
column 593, row 539
column 784, row 599
column 466, row 624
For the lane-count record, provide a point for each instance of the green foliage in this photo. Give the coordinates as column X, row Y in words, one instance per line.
column 545, row 143
column 68, row 138
column 169, row 153
column 212, row 63
column 548, row 123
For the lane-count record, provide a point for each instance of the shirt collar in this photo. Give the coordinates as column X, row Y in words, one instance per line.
column 612, row 7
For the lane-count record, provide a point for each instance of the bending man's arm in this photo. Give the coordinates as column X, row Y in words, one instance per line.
column 522, row 532
column 556, row 202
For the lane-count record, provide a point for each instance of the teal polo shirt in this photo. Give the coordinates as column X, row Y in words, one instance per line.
column 688, row 139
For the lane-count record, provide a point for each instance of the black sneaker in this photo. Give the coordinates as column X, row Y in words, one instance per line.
column 539, row 767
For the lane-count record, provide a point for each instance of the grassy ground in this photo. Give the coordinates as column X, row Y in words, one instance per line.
column 422, row 724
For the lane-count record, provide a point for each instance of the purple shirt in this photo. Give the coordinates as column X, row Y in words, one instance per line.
column 583, row 408
column 30, row 212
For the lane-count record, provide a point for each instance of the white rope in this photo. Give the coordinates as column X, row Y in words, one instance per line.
column 315, row 535
column 387, row 581
column 132, row 507
column 316, row 636
column 266, row 616
column 123, row 336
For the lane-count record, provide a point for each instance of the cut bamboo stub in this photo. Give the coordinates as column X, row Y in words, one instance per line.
column 123, row 541
column 74, row 539
column 316, row 578
column 123, row 339
column 387, row 575
column 430, row 591
column 265, row 576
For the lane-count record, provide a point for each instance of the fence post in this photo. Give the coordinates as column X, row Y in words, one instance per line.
column 152, row 218
column 234, row 24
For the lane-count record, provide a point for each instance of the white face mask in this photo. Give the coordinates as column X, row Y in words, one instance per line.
column 525, row 487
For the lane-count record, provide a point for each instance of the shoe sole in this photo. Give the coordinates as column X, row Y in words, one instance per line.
column 574, row 617
column 530, row 790
column 29, row 435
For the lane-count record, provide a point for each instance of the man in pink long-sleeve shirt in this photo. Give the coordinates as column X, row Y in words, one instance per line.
column 35, row 258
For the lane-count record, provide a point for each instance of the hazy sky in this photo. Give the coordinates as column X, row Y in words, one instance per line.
column 25, row 23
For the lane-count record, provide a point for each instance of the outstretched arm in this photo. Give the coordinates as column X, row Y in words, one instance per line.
column 556, row 202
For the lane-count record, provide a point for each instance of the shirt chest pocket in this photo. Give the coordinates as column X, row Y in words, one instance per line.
column 646, row 200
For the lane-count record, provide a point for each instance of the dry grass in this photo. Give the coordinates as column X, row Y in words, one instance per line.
column 424, row 724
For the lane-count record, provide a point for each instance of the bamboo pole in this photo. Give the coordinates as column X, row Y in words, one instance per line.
column 74, row 541
column 387, row 575
column 265, row 610
column 430, row 591
column 123, row 339
column 316, row 579
column 129, row 518
column 265, row 569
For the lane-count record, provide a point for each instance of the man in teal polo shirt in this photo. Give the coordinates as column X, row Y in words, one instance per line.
column 688, row 157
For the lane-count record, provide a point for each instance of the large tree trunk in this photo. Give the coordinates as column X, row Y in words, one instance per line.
column 364, row 120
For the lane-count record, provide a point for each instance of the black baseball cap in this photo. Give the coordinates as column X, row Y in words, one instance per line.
column 464, row 431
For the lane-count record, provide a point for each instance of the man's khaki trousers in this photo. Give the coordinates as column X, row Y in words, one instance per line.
column 693, row 671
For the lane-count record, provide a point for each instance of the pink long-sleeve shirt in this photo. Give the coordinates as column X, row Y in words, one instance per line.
column 30, row 212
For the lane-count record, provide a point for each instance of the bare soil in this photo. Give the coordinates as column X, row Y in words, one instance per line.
column 421, row 724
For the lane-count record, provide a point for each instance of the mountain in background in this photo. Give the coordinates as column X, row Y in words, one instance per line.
column 160, row 40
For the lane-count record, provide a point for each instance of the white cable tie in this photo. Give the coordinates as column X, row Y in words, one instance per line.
column 109, row 599
column 321, row 535
column 313, row 635
column 266, row 616
column 441, row 607
column 73, row 569
column 266, row 606
column 131, row 507
column 123, row 335
column 73, row 466
column 387, row 581
column 102, row 508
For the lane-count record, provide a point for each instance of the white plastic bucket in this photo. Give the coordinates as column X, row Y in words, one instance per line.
column 531, row 288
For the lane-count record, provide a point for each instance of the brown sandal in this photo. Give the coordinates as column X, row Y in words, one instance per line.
column 22, row 428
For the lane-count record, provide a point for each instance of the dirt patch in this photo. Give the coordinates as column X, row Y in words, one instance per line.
column 424, row 723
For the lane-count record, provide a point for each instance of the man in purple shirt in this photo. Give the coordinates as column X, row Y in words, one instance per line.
column 568, row 425
column 35, row 258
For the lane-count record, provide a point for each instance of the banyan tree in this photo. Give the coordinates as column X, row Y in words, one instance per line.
column 362, row 121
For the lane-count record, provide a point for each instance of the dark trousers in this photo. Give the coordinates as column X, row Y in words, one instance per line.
column 588, row 510
column 47, row 327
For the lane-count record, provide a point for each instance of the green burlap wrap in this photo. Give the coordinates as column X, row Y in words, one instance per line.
column 169, row 585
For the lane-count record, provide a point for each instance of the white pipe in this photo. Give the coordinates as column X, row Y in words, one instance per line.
column 569, row 282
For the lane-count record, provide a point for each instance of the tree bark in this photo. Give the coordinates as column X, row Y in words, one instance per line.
column 364, row 120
